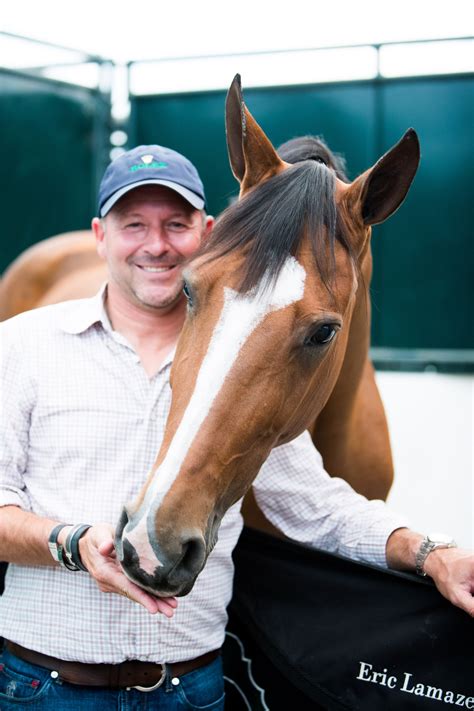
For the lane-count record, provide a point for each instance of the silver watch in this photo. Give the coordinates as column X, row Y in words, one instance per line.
column 429, row 543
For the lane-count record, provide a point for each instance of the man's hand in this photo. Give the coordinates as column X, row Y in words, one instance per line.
column 451, row 569
column 96, row 548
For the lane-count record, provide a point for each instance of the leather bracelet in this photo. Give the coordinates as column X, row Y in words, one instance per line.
column 72, row 546
column 75, row 555
column 64, row 560
column 54, row 548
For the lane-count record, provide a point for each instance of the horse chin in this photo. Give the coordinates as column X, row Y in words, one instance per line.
column 168, row 590
column 163, row 588
column 181, row 591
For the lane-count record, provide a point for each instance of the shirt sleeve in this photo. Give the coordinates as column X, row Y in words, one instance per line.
column 299, row 497
column 16, row 397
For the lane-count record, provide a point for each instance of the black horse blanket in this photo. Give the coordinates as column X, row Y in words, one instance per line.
column 320, row 631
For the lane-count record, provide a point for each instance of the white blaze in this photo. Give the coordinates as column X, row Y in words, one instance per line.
column 140, row 540
column 241, row 314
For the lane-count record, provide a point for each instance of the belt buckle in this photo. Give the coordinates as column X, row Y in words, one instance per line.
column 160, row 681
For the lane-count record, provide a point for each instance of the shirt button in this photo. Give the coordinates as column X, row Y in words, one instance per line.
column 175, row 681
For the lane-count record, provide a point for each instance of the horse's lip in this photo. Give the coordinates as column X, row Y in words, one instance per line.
column 176, row 591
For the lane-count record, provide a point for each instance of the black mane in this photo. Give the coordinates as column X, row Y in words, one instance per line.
column 270, row 222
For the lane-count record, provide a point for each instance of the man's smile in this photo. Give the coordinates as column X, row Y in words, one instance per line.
column 166, row 268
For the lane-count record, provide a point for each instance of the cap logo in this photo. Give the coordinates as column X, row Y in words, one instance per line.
column 148, row 162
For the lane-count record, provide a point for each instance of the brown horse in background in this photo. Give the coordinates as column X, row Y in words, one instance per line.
column 56, row 269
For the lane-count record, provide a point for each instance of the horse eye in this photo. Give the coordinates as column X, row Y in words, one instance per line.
column 324, row 334
column 187, row 294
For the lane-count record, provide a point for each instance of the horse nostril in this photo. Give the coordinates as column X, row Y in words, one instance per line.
column 130, row 557
column 193, row 556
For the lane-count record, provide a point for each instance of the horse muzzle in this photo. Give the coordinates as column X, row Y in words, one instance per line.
column 164, row 565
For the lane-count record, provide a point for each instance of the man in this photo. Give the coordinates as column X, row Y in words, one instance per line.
column 85, row 394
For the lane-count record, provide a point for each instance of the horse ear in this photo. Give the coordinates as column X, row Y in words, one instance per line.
column 251, row 155
column 382, row 189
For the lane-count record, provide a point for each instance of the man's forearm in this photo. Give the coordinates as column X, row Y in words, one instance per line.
column 24, row 537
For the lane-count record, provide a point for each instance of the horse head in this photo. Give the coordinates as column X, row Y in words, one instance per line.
column 270, row 298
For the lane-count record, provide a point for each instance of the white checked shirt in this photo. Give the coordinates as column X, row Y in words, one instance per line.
column 81, row 426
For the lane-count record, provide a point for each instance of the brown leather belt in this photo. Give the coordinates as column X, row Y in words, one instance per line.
column 145, row 676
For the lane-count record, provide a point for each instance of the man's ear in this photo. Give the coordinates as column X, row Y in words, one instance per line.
column 209, row 223
column 380, row 191
column 97, row 226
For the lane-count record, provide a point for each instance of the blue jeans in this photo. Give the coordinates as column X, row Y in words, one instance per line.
column 24, row 685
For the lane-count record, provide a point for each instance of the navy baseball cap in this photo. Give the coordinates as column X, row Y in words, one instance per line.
column 150, row 165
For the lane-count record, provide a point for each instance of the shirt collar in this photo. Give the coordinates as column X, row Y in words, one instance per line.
column 85, row 313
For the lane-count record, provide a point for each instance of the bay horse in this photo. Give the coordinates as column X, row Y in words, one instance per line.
column 277, row 330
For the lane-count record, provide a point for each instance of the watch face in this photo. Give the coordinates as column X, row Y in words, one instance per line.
column 440, row 538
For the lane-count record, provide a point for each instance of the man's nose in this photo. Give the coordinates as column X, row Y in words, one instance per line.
column 157, row 239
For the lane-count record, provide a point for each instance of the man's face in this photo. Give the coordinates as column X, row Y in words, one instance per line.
column 145, row 239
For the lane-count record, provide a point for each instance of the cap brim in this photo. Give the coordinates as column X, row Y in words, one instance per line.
column 194, row 200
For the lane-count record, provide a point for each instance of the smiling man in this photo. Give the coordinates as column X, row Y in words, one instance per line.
column 86, row 393
column 152, row 220
column 153, row 225
column 144, row 240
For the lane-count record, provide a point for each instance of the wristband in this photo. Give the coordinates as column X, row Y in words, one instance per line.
column 71, row 548
column 55, row 549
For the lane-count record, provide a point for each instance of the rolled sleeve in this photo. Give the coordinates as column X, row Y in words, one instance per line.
column 300, row 498
column 16, row 397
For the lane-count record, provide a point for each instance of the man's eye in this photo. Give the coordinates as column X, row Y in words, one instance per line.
column 176, row 225
column 134, row 225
